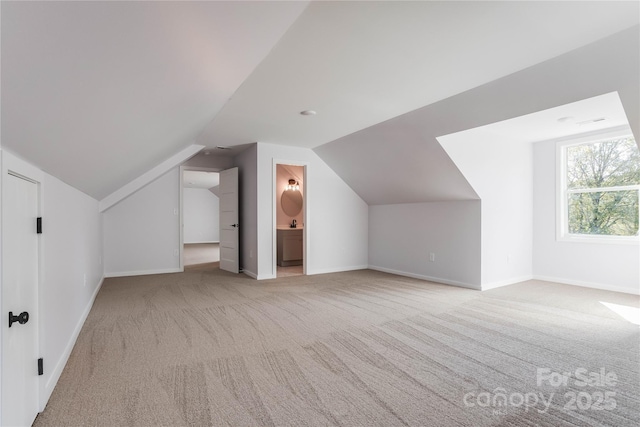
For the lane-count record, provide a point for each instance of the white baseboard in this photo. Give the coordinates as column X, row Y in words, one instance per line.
column 250, row 274
column 309, row 273
column 423, row 277
column 143, row 272
column 62, row 362
column 601, row 286
column 493, row 285
column 204, row 241
column 336, row 269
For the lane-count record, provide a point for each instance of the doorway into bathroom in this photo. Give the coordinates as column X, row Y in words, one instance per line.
column 290, row 225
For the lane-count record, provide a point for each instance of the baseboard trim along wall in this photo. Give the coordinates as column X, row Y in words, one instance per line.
column 337, row 270
column 143, row 272
column 427, row 278
column 601, row 286
column 309, row 273
column 62, row 362
column 250, row 274
column 200, row 243
column 493, row 285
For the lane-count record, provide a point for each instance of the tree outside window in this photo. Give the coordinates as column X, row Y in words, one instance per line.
column 602, row 187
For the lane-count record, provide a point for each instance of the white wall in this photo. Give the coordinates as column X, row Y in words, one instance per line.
column 402, row 236
column 601, row 265
column 337, row 218
column 201, row 215
column 141, row 233
column 517, row 185
column 248, row 203
column 72, row 273
column 501, row 173
column 1, row 329
column 71, row 267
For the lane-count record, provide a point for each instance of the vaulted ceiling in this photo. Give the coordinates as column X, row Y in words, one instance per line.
column 97, row 93
column 401, row 160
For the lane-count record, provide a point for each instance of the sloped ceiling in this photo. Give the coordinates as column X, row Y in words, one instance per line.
column 360, row 63
column 97, row 93
column 401, row 161
column 575, row 119
column 553, row 124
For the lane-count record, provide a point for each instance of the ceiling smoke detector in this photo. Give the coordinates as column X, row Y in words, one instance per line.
column 308, row 113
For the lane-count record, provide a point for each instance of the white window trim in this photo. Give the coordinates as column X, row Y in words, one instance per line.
column 562, row 232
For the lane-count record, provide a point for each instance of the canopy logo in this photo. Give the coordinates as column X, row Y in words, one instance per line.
column 593, row 395
column 499, row 400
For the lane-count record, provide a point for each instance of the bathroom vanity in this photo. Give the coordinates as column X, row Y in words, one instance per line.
column 289, row 246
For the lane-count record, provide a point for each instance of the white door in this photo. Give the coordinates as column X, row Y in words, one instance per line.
column 19, row 295
column 229, row 226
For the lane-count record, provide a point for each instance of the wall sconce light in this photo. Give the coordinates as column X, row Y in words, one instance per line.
column 293, row 185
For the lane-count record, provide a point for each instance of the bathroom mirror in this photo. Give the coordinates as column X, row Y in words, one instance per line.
column 291, row 202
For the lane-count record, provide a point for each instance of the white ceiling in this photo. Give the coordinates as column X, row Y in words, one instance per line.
column 97, row 93
column 200, row 179
column 416, row 167
column 554, row 123
column 360, row 63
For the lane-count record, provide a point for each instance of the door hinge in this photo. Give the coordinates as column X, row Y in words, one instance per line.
column 39, row 225
column 40, row 366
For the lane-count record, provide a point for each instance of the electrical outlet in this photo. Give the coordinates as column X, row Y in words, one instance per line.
column 176, row 252
column 251, row 253
column 175, row 211
column 432, row 256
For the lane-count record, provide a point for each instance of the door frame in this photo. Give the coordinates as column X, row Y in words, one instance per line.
column 274, row 213
column 181, row 209
column 22, row 169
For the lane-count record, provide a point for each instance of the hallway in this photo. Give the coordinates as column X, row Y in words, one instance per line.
column 200, row 253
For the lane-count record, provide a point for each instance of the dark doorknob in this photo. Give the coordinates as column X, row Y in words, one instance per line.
column 21, row 318
column 235, row 225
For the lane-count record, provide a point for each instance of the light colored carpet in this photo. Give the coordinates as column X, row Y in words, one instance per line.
column 200, row 253
column 362, row 348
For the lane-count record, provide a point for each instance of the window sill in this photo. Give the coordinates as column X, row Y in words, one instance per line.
column 605, row 240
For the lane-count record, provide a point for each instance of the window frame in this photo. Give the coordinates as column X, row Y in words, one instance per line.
column 562, row 192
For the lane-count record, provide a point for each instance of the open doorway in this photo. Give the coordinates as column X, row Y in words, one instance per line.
column 290, row 214
column 200, row 218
